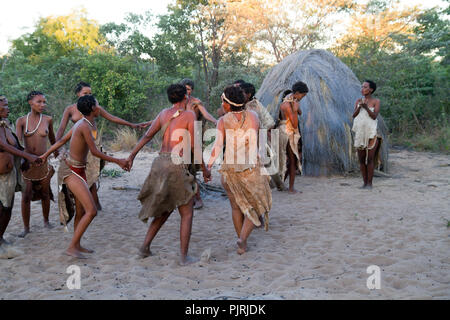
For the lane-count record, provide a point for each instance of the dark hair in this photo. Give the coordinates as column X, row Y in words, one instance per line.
column 300, row 87
column 80, row 86
column 236, row 95
column 248, row 89
column 86, row 104
column 286, row 92
column 176, row 92
column 239, row 82
column 33, row 94
column 372, row 85
column 187, row 82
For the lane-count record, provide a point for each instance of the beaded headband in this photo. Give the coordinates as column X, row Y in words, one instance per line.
column 229, row 102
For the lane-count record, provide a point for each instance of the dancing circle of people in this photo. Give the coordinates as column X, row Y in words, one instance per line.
column 247, row 173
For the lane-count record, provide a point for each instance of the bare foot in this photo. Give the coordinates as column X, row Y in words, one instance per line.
column 184, row 261
column 198, row 204
column 294, row 191
column 24, row 233
column 85, row 250
column 144, row 252
column 369, row 186
column 242, row 246
column 74, row 253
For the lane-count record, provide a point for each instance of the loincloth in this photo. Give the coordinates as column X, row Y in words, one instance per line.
column 8, row 183
column 11, row 183
column 370, row 145
column 66, row 200
column 36, row 174
column 291, row 137
column 252, row 192
column 93, row 168
column 167, row 187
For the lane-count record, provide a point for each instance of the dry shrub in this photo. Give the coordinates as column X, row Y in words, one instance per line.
column 124, row 139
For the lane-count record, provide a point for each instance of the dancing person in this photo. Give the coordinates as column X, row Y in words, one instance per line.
column 169, row 184
column 94, row 164
column 266, row 122
column 11, row 154
column 367, row 137
column 72, row 170
column 201, row 114
column 247, row 188
column 35, row 130
column 221, row 111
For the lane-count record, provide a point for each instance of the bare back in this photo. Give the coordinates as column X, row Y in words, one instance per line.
column 184, row 123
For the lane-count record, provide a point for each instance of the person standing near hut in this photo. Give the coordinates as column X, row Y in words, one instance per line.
column 11, row 180
column 248, row 190
column 290, row 134
column 367, row 137
column 266, row 122
column 201, row 114
column 169, row 184
column 35, row 130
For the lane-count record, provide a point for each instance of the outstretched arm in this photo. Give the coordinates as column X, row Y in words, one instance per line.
column 63, row 124
column 57, row 145
column 87, row 135
column 154, row 128
column 105, row 114
column 206, row 114
column 14, row 151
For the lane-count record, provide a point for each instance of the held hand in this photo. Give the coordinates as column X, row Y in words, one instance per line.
column 129, row 163
column 144, row 125
column 43, row 158
column 206, row 175
column 31, row 158
column 123, row 163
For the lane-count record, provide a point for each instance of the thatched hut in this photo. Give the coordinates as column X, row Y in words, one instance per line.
column 327, row 110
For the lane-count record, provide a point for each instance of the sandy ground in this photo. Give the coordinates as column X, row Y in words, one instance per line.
column 319, row 245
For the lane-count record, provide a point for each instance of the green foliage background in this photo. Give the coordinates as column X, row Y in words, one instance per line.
column 130, row 72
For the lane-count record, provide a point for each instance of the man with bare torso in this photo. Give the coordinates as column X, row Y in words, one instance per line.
column 169, row 184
